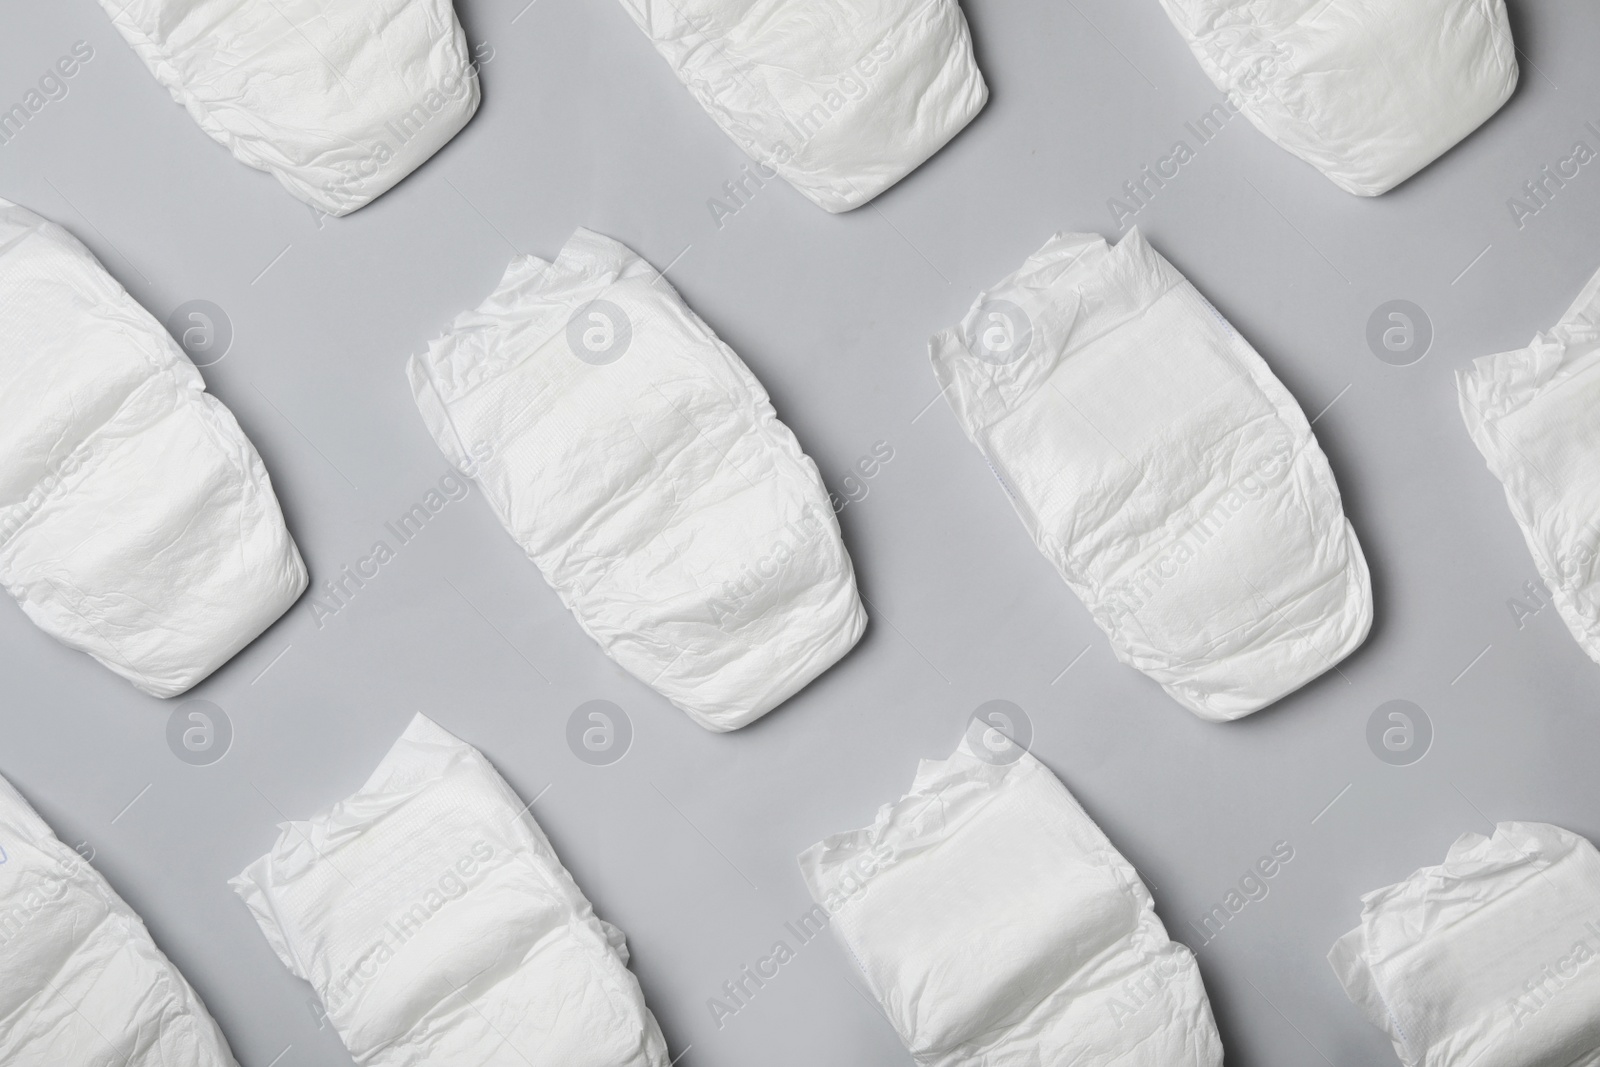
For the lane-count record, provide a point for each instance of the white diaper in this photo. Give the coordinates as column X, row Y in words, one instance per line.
column 81, row 983
column 1535, row 415
column 434, row 920
column 641, row 466
column 337, row 99
column 1367, row 91
column 1491, row 959
column 997, row 926
column 137, row 523
column 1165, row 472
column 842, row 98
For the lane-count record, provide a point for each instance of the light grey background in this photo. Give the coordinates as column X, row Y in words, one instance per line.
column 689, row 842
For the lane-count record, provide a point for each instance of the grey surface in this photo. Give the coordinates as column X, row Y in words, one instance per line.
column 688, row 843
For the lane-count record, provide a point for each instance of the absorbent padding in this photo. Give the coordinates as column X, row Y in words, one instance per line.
column 337, row 99
column 437, row 926
column 842, row 98
column 137, row 523
column 1487, row 960
column 1160, row 466
column 1367, row 91
column 1535, row 415
column 996, row 924
column 639, row 463
column 81, row 982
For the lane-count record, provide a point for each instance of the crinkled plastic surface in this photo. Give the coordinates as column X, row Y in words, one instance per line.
column 337, row 99
column 641, row 466
column 997, row 926
column 842, row 98
column 433, row 919
column 1160, row 466
column 1535, row 415
column 1491, row 959
column 137, row 523
column 81, row 983
column 1367, row 91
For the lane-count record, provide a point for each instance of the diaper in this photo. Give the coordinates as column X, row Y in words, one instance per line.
column 1166, row 473
column 640, row 465
column 337, row 99
column 997, row 926
column 137, row 523
column 1367, row 91
column 81, row 983
column 842, row 98
column 1491, row 959
column 433, row 919
column 1535, row 415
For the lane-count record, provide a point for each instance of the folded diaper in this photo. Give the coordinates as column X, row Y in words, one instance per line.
column 640, row 465
column 996, row 925
column 1535, row 415
column 137, row 523
column 1165, row 472
column 81, row 983
column 434, row 920
column 1488, row 959
column 842, row 98
column 337, row 99
column 1367, row 92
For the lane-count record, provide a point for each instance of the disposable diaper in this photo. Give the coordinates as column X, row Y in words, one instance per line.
column 640, row 465
column 81, row 983
column 337, row 99
column 1367, row 91
column 1487, row 960
column 137, row 523
column 1535, row 415
column 842, row 98
column 1163, row 470
column 433, row 919
column 997, row 925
